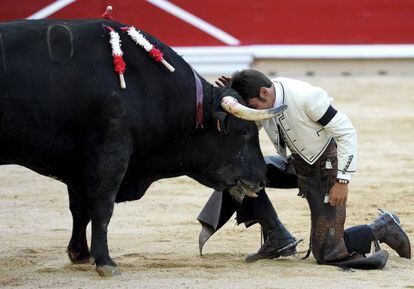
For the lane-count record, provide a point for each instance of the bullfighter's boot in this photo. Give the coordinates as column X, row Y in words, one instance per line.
column 386, row 229
column 278, row 241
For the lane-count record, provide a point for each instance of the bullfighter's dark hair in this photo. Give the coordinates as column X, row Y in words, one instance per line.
column 248, row 83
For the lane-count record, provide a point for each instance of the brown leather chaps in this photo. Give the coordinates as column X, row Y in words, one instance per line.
column 315, row 182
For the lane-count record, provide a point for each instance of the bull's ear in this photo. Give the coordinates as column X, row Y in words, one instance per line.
column 221, row 121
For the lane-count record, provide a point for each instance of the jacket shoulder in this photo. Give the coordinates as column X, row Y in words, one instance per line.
column 296, row 84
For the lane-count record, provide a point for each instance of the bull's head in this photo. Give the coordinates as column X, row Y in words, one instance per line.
column 232, row 138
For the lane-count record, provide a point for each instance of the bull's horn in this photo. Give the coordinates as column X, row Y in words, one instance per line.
column 251, row 194
column 232, row 106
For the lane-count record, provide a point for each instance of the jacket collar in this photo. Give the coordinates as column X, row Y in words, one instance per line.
column 280, row 94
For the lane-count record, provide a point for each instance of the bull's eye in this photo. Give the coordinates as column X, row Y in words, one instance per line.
column 244, row 133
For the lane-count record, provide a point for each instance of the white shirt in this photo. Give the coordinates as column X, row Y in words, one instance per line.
column 301, row 131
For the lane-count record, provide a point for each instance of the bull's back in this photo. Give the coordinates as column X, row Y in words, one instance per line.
column 48, row 92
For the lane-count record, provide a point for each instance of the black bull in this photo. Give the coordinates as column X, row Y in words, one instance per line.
column 63, row 114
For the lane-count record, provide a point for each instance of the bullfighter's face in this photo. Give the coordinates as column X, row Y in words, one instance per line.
column 265, row 100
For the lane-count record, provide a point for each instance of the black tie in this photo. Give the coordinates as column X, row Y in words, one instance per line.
column 281, row 140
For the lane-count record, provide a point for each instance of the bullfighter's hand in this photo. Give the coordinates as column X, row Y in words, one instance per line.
column 223, row 81
column 338, row 194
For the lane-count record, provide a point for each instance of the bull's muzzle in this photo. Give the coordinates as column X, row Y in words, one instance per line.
column 243, row 189
column 232, row 106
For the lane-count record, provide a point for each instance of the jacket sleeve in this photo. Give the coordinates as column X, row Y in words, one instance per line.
column 342, row 130
column 336, row 123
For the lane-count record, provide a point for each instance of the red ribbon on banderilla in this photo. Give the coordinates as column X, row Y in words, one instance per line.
column 108, row 13
column 154, row 52
column 119, row 63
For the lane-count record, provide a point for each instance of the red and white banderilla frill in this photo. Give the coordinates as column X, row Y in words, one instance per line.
column 140, row 40
column 119, row 63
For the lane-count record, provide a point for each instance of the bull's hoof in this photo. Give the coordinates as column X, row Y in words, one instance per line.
column 107, row 271
column 78, row 258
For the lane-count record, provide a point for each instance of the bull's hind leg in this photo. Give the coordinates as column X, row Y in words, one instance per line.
column 78, row 250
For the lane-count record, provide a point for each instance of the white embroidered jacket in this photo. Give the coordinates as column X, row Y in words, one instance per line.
column 301, row 125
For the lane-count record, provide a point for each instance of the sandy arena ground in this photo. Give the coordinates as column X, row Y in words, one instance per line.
column 155, row 240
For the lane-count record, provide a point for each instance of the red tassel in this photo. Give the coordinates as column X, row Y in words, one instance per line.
column 156, row 54
column 107, row 13
column 119, row 64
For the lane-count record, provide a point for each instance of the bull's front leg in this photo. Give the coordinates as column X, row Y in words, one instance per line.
column 78, row 250
column 105, row 170
column 101, row 213
column 101, row 198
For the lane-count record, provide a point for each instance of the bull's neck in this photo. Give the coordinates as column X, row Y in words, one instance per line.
column 208, row 100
